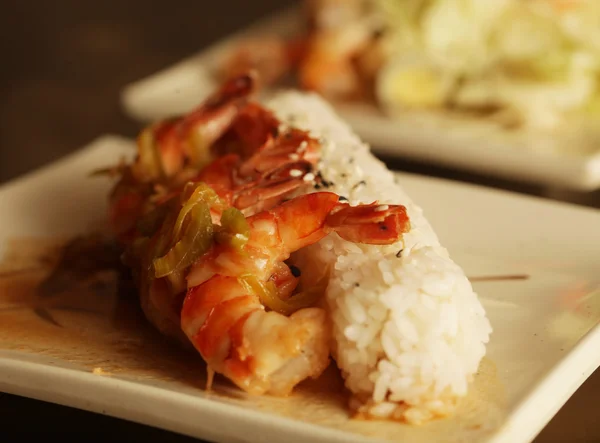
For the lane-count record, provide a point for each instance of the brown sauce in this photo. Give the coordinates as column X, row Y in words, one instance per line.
column 88, row 318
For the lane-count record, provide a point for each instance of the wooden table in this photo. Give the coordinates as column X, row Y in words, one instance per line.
column 63, row 64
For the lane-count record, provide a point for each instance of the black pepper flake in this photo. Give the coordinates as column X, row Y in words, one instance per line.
column 296, row 272
column 341, row 198
column 399, row 253
column 383, row 227
column 343, row 175
column 317, row 186
column 360, row 183
column 324, row 183
column 356, row 285
column 351, row 160
column 275, row 131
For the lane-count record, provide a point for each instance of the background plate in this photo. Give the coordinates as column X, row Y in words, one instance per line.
column 556, row 160
column 89, row 349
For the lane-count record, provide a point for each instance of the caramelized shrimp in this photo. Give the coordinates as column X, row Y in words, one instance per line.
column 202, row 127
column 258, row 194
column 224, row 313
column 166, row 147
column 292, row 146
column 256, row 164
column 274, row 165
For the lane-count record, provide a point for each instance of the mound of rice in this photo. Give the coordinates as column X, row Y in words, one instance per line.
column 409, row 331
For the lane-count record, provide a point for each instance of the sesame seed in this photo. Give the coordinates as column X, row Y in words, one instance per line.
column 295, row 172
column 302, row 146
column 381, row 208
column 309, row 177
column 294, row 157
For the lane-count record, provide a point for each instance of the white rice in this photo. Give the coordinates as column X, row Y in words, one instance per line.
column 409, row 332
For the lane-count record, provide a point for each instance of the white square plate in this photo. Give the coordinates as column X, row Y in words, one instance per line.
column 468, row 144
column 544, row 345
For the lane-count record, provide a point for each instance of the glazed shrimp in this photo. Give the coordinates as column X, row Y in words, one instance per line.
column 264, row 143
column 250, row 195
column 166, row 147
column 293, row 145
column 261, row 193
column 277, row 163
column 223, row 313
column 202, row 127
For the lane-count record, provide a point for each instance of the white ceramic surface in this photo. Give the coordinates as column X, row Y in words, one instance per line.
column 544, row 345
column 468, row 144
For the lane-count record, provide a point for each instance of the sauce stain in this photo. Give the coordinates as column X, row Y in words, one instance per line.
column 85, row 315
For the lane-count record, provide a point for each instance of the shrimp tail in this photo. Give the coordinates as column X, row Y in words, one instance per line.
column 371, row 224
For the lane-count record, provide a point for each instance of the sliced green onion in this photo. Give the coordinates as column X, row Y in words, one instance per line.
column 234, row 229
column 267, row 294
column 193, row 194
column 196, row 239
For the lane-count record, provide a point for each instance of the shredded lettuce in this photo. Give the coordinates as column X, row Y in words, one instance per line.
column 539, row 59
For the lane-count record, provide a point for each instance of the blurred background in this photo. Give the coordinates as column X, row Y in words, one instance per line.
column 63, row 65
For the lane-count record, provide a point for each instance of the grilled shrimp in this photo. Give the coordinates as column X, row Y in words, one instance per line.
column 257, row 164
column 166, row 147
column 267, row 165
column 224, row 313
column 256, row 194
